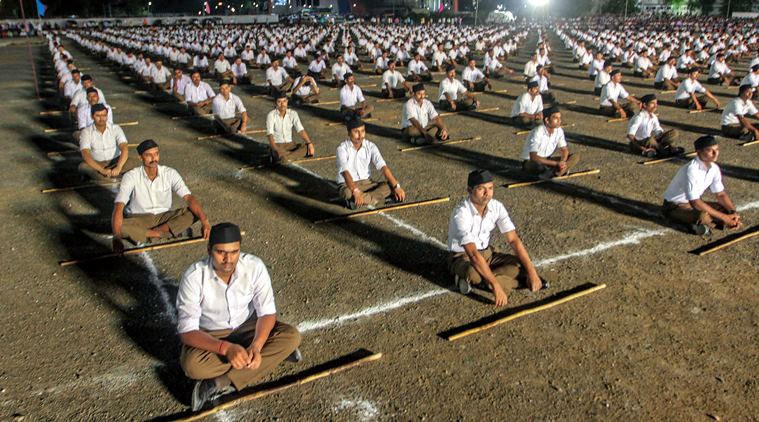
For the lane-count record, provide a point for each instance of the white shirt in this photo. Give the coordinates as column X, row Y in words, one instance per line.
column 276, row 77
column 357, row 162
column 666, row 72
column 691, row 181
column 221, row 66
column 340, row 71
column 143, row 196
column 540, row 142
column 643, row 125
column 181, row 85
column 468, row 226
column 752, row 79
column 226, row 108
column 452, row 87
column 472, row 75
column 602, row 78
column 161, row 75
column 103, row 146
column 80, row 97
column 719, row 69
column 84, row 115
column 195, row 94
column 737, row 107
column 530, row 68
column 526, row 104
column 423, row 114
column 281, row 127
column 239, row 70
column 688, row 87
column 205, row 302
column 416, row 67
column 612, row 92
column 350, row 97
column 392, row 78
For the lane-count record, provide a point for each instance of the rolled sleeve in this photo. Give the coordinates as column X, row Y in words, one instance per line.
column 342, row 161
column 462, row 224
column 178, row 185
column 240, row 106
column 503, row 221
column 263, row 296
column 377, row 161
column 125, row 189
column 85, row 140
column 717, row 186
column 296, row 122
column 270, row 130
column 561, row 141
column 119, row 135
column 188, row 305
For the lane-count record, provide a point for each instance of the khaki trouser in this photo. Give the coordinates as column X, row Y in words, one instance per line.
column 90, row 173
column 524, row 122
column 373, row 192
column 686, row 214
column 356, row 112
column 505, row 267
column 201, row 364
column 688, row 102
column 162, row 86
column 734, row 131
column 274, row 91
column 612, row 112
column 666, row 84
column 658, row 142
column 307, row 99
column 461, row 105
column 135, row 227
column 532, row 167
column 412, row 132
column 286, row 151
column 200, row 110
column 397, row 93
column 228, row 125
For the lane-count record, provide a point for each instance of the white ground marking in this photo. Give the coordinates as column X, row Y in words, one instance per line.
column 364, row 409
column 168, row 310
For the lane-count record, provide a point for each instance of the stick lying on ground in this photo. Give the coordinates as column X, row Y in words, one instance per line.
column 301, row 161
column 194, row 116
column 384, row 209
column 300, row 380
column 553, row 179
column 727, row 241
column 76, row 151
column 668, row 92
column 482, row 110
column 525, row 312
column 617, row 119
column 58, row 112
column 133, row 251
column 70, row 129
column 247, row 132
column 703, row 110
column 440, row 144
column 89, row 185
column 749, row 143
column 662, row 160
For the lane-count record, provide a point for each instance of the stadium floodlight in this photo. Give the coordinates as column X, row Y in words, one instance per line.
column 538, row 3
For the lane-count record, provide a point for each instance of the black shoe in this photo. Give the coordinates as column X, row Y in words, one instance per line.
column 350, row 204
column 677, row 151
column 206, row 391
column 700, row 229
column 295, row 356
column 747, row 137
column 650, row 154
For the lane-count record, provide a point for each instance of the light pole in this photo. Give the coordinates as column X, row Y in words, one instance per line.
column 150, row 3
column 625, row 9
column 727, row 15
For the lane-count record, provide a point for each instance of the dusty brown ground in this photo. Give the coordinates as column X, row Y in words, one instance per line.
column 673, row 337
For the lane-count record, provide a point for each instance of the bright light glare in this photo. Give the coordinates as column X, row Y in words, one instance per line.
column 538, row 3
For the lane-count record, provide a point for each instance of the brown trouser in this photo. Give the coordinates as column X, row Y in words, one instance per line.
column 532, row 167
column 397, row 93
column 505, row 267
column 411, row 132
column 612, row 112
column 686, row 214
column 135, row 227
column 547, row 97
column 658, row 142
column 477, row 86
column 420, row 77
column 286, row 151
column 373, row 192
column 200, row 364
column 524, row 122
column 357, row 111
column 666, row 84
column 90, row 173
column 688, row 102
column 228, row 125
column 461, row 105
column 734, row 131
column 200, row 110
column 308, row 99
column 274, row 91
column 162, row 86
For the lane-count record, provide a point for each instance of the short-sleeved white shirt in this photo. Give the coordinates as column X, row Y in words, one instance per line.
column 349, row 97
column 543, row 143
column 666, row 72
column 276, row 77
column 452, row 87
column 103, row 146
column 526, row 104
column 281, row 128
column 422, row 113
column 612, row 92
column 392, row 78
column 340, row 71
column 737, row 107
column 468, row 226
column 688, row 87
column 205, row 302
column 84, row 115
column 472, row 75
column 143, row 196
column 195, row 94
column 357, row 162
column 692, row 180
column 226, row 109
column 643, row 125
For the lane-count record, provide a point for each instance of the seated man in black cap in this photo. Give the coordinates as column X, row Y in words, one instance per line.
column 686, row 97
column 542, row 142
column 226, row 107
column 646, row 134
column 227, row 320
column 280, row 123
column 682, row 199
column 450, row 90
column 612, row 95
column 419, row 119
column 355, row 186
column 353, row 105
column 735, row 122
column 527, row 111
column 472, row 259
column 103, row 146
column 145, row 194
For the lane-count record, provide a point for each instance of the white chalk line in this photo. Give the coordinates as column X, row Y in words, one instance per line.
column 168, row 310
column 364, row 409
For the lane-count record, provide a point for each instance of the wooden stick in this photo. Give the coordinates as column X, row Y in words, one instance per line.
column 133, row 251
column 247, row 132
column 76, row 151
column 570, row 102
column 384, row 209
column 526, row 312
column 371, row 119
column 300, row 161
column 502, row 91
column 721, row 244
column 388, row 100
column 194, row 116
column 553, row 179
column 672, row 91
column 703, row 110
column 662, row 160
column 70, row 129
column 450, row 113
column 140, row 92
column 298, row 382
column 79, row 187
column 440, row 144
column 618, row 119
column 749, row 143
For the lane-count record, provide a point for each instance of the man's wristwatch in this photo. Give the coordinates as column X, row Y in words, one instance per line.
column 397, row 185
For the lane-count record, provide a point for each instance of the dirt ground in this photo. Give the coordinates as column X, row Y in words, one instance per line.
column 672, row 337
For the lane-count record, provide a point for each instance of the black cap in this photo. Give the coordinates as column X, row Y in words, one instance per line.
column 755, row 67
column 224, row 233
column 450, row 67
column 97, row 107
column 704, row 142
column 347, row 75
column 647, row 98
column 86, row 77
column 354, row 123
column 91, row 90
column 744, row 88
column 615, row 72
column 225, row 82
column 418, row 87
column 76, row 71
column 280, row 94
column 694, row 69
column 532, row 84
column 550, row 111
column 478, row 177
column 146, row 145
